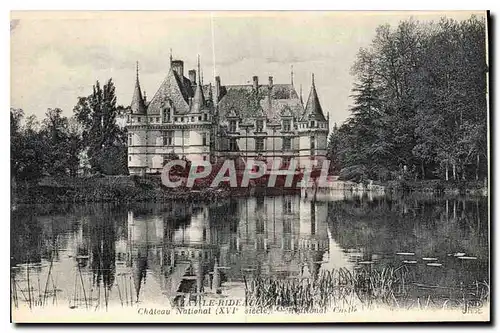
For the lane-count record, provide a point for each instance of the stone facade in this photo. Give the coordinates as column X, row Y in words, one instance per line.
column 187, row 119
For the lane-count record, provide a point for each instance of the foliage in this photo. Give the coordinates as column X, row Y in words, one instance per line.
column 419, row 105
column 104, row 140
column 51, row 148
column 59, row 145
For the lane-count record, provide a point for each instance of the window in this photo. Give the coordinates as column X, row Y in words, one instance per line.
column 313, row 218
column 233, row 146
column 130, row 139
column 286, row 125
column 128, row 119
column 157, row 119
column 205, row 117
column 139, row 119
column 151, row 119
column 168, row 138
column 260, row 202
column 167, row 118
column 259, row 125
column 199, row 118
column 287, row 143
column 313, row 145
column 287, row 226
column 176, row 119
column 259, row 224
column 287, row 205
column 313, row 123
column 259, row 144
column 192, row 119
column 130, row 158
column 204, row 139
column 232, row 125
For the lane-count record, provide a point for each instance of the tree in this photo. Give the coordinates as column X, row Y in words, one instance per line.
column 419, row 104
column 103, row 139
column 27, row 147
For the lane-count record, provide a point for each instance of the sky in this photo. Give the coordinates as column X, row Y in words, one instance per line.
column 58, row 56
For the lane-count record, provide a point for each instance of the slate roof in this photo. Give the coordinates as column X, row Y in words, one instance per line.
column 198, row 100
column 313, row 110
column 137, row 106
column 243, row 100
column 174, row 88
column 240, row 100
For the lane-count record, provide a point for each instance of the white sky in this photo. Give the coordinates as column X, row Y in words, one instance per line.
column 58, row 56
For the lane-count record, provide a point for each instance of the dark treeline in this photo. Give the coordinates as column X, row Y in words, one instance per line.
column 420, row 105
column 89, row 141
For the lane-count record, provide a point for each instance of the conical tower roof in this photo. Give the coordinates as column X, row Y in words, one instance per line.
column 313, row 110
column 199, row 98
column 137, row 105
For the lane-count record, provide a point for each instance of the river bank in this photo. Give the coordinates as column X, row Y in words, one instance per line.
column 150, row 189
column 437, row 186
column 123, row 189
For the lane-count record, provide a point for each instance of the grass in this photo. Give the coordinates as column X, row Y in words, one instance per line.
column 361, row 289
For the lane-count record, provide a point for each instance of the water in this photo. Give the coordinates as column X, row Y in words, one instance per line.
column 86, row 256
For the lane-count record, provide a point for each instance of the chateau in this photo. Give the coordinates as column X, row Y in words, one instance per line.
column 189, row 119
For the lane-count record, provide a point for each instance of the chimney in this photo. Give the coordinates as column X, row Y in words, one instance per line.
column 256, row 83
column 270, row 82
column 178, row 67
column 217, row 89
column 192, row 76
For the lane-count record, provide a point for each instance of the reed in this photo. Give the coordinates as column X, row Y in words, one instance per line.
column 365, row 288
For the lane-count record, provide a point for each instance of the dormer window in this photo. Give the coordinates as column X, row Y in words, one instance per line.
column 233, row 125
column 259, row 125
column 287, row 125
column 166, row 116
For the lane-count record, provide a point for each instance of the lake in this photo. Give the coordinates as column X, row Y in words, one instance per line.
column 97, row 255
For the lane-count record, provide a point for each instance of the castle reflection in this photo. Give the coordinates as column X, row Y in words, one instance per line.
column 90, row 255
column 196, row 249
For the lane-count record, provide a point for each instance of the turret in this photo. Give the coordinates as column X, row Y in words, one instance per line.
column 313, row 110
column 137, row 106
column 198, row 99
